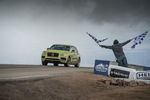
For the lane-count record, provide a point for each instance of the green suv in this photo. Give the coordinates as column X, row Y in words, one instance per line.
column 61, row 54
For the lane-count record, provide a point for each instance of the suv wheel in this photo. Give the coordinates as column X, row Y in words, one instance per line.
column 68, row 61
column 77, row 65
column 44, row 63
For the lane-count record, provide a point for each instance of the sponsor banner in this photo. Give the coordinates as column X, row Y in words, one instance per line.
column 121, row 72
column 146, row 68
column 101, row 67
column 143, row 75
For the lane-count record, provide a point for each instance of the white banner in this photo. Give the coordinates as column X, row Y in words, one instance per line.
column 143, row 75
column 105, row 68
column 122, row 72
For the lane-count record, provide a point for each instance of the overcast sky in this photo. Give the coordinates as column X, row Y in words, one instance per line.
column 27, row 27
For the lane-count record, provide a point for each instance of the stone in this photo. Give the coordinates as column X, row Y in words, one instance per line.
column 133, row 83
column 141, row 83
column 107, row 82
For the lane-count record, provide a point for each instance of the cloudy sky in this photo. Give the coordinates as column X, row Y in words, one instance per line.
column 27, row 27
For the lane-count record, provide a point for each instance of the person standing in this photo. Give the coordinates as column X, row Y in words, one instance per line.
column 118, row 52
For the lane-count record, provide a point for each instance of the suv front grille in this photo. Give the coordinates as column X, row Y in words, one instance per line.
column 50, row 54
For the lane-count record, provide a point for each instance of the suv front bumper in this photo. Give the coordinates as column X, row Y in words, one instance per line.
column 56, row 60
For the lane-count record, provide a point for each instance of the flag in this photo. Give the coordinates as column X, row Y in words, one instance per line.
column 139, row 39
column 95, row 39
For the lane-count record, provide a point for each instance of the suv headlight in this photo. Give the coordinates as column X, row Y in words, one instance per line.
column 44, row 53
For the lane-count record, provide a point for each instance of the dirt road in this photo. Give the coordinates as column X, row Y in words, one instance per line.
column 61, row 83
column 25, row 72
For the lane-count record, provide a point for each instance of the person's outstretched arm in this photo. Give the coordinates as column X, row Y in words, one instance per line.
column 126, row 42
column 104, row 46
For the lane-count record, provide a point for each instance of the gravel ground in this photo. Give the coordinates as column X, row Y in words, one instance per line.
column 71, row 84
column 26, row 72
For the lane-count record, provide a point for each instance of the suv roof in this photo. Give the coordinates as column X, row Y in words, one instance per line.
column 63, row 45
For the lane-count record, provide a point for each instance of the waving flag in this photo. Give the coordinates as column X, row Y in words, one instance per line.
column 95, row 39
column 139, row 39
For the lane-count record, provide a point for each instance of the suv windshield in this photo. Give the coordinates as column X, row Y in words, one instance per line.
column 60, row 47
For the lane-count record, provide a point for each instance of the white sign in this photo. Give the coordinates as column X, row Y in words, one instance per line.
column 121, row 72
column 143, row 75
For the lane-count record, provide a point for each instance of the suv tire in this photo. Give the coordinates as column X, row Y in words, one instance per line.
column 44, row 63
column 68, row 61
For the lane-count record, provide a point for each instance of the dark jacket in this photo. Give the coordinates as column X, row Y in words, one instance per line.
column 117, row 48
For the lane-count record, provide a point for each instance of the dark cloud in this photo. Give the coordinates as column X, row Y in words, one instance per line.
column 97, row 11
column 118, row 11
column 121, row 10
column 101, row 11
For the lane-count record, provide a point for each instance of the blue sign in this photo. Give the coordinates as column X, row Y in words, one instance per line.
column 146, row 68
column 101, row 67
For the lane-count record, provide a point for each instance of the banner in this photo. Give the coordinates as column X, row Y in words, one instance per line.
column 101, row 67
column 146, row 68
column 121, row 72
column 143, row 75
